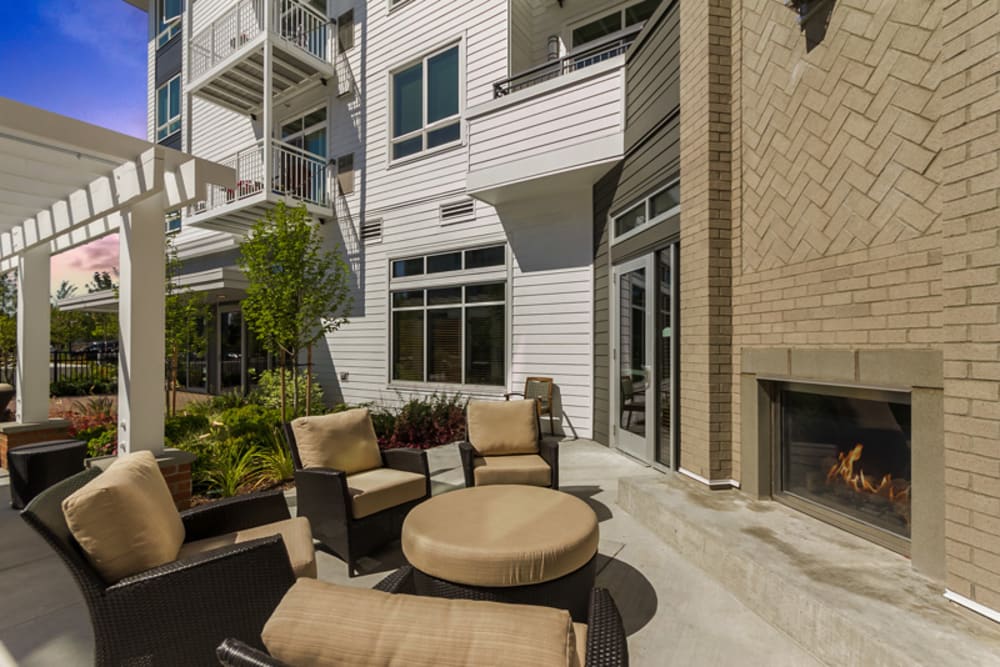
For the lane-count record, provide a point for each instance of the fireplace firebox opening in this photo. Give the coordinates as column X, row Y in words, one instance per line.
column 843, row 455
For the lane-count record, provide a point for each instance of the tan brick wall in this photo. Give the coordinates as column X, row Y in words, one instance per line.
column 971, row 289
column 839, row 207
column 705, row 309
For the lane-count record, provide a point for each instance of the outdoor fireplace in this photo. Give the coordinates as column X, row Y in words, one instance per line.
column 844, row 455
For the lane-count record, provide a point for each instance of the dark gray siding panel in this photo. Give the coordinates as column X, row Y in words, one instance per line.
column 652, row 75
column 168, row 61
column 652, row 159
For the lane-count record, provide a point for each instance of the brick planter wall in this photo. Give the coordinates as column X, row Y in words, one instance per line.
column 14, row 435
column 179, row 480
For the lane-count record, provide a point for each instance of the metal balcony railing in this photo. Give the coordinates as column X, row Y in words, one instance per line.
column 292, row 20
column 588, row 55
column 295, row 173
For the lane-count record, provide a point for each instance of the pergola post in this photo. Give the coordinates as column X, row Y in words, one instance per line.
column 33, row 321
column 141, row 319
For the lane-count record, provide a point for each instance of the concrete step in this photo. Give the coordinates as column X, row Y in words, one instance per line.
column 844, row 599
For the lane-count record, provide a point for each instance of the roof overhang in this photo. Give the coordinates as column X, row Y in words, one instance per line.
column 216, row 285
column 64, row 182
column 139, row 4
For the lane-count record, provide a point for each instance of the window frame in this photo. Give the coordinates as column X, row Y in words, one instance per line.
column 340, row 26
column 647, row 202
column 425, row 129
column 170, row 119
column 340, row 176
column 307, row 129
column 458, row 278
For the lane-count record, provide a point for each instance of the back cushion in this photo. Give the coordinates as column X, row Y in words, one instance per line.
column 318, row 623
column 342, row 441
column 125, row 519
column 503, row 427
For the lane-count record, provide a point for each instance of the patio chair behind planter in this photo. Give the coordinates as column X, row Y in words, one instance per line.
column 177, row 614
column 331, row 498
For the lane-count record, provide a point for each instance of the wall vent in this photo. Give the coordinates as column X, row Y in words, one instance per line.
column 371, row 230
column 459, row 211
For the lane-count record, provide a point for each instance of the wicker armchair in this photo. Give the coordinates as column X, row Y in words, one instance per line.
column 606, row 641
column 520, row 468
column 177, row 614
column 325, row 497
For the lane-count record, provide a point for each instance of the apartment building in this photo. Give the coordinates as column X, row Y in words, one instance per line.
column 808, row 316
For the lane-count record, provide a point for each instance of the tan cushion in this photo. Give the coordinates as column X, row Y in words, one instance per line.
column 295, row 533
column 379, row 489
column 580, row 633
column 503, row 535
column 318, row 623
column 125, row 519
column 503, row 427
column 342, row 441
column 515, row 469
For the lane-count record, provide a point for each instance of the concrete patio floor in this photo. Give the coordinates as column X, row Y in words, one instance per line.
column 673, row 612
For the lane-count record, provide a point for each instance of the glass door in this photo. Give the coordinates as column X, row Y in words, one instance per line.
column 666, row 356
column 230, row 348
column 633, row 378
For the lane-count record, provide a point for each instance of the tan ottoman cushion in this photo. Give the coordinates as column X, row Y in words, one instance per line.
column 375, row 490
column 502, row 535
column 125, row 519
column 580, row 633
column 515, row 469
column 503, row 427
column 318, row 623
column 341, row 440
column 296, row 534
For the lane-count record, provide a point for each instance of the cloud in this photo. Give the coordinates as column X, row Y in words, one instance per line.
column 107, row 28
column 98, row 255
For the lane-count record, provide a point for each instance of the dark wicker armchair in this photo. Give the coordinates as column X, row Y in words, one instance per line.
column 521, row 468
column 177, row 614
column 606, row 641
column 325, row 497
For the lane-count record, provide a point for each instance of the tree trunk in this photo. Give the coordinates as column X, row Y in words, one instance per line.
column 295, row 383
column 309, row 378
column 175, row 362
column 281, row 370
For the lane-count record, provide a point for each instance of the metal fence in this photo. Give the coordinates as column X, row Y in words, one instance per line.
column 86, row 367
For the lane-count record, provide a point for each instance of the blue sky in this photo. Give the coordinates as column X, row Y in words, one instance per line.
column 79, row 58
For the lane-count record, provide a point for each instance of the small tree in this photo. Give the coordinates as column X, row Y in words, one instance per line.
column 185, row 312
column 297, row 292
column 102, row 281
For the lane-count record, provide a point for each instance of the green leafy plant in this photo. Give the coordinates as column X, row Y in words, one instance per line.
column 297, row 293
column 231, row 467
column 185, row 314
column 275, row 461
column 268, row 392
column 177, row 428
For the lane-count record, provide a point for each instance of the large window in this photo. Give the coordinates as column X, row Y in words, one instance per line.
column 426, row 104
column 170, row 12
column 451, row 332
column 624, row 17
column 168, row 108
column 659, row 206
column 307, row 132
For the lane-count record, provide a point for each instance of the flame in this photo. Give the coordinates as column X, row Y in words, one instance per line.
column 896, row 491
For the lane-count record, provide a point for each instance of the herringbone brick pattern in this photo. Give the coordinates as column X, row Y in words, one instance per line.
column 839, row 146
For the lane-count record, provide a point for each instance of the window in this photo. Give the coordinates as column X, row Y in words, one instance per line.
column 345, row 173
column 345, row 31
column 171, row 12
column 622, row 18
column 475, row 258
column 659, row 206
column 450, row 332
column 307, row 132
column 425, row 104
column 173, row 222
column 168, row 108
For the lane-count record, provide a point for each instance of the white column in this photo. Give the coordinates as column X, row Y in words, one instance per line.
column 33, row 315
column 267, row 115
column 141, row 320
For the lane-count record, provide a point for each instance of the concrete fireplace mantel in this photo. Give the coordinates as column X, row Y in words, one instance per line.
column 919, row 372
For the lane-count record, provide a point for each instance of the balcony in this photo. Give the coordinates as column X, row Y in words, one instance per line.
column 558, row 126
column 227, row 57
column 295, row 176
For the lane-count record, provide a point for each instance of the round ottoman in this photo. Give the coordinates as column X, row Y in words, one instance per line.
column 509, row 543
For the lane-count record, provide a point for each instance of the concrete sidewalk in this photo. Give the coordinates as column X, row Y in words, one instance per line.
column 673, row 612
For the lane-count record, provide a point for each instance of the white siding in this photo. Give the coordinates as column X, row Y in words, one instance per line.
column 522, row 35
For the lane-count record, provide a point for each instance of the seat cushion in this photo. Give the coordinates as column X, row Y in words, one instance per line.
column 528, row 469
column 319, row 623
column 295, row 533
column 499, row 536
column 125, row 518
column 497, row 428
column 341, row 440
column 379, row 489
column 580, row 633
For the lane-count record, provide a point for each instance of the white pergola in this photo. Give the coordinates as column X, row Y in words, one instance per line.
column 64, row 183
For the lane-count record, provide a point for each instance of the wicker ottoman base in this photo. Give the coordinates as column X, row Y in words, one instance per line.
column 570, row 592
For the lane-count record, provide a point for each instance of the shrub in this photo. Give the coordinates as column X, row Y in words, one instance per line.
column 228, row 467
column 275, row 461
column 421, row 423
column 178, row 427
column 268, row 393
column 96, row 423
column 252, row 423
column 214, row 404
